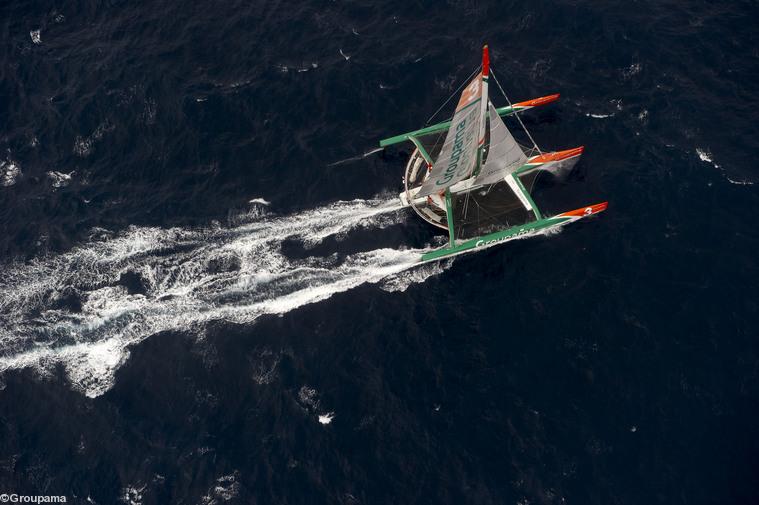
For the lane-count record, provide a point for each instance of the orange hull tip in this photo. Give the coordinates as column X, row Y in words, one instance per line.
column 538, row 101
column 586, row 211
column 558, row 155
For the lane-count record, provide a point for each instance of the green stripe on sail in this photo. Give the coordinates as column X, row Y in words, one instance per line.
column 465, row 107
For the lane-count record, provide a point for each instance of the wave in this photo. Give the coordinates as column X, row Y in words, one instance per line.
column 706, row 156
column 84, row 308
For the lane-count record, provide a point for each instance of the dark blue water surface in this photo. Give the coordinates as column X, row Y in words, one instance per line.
column 166, row 336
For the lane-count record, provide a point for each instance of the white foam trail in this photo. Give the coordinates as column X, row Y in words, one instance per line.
column 739, row 183
column 9, row 173
column 402, row 281
column 181, row 278
column 706, row 157
column 599, row 116
column 59, row 179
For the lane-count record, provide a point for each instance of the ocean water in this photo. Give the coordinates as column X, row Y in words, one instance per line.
column 208, row 292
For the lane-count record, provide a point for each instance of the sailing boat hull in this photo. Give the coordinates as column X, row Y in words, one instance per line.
column 516, row 232
column 558, row 163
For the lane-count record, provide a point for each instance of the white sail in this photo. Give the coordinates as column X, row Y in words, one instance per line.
column 458, row 156
column 504, row 155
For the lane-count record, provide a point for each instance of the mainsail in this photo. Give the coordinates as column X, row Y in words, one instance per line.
column 458, row 157
column 473, row 209
column 504, row 156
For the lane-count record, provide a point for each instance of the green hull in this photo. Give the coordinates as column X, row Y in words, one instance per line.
column 494, row 238
column 498, row 237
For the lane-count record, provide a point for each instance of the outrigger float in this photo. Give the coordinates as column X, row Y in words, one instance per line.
column 469, row 175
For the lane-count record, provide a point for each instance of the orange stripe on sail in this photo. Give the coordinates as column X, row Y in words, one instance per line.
column 471, row 93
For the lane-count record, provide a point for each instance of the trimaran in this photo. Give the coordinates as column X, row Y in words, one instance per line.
column 470, row 176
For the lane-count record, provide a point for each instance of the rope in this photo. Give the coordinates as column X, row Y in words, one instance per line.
column 466, row 81
column 516, row 113
column 537, row 176
column 482, row 213
column 441, row 136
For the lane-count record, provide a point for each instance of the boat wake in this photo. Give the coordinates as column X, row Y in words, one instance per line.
column 84, row 308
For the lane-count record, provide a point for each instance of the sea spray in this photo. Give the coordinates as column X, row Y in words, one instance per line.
column 84, row 308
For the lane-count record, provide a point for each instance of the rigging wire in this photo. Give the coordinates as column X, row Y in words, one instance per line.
column 441, row 136
column 466, row 81
column 516, row 113
column 482, row 213
column 537, row 176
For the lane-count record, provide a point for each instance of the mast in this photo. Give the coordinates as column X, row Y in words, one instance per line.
column 483, row 106
column 480, row 141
